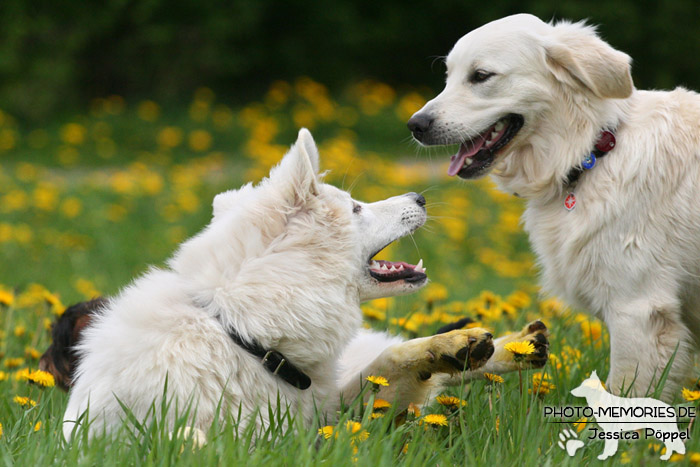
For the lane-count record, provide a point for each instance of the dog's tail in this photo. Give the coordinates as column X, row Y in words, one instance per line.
column 60, row 359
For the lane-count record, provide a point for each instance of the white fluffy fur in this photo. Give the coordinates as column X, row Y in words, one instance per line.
column 630, row 250
column 285, row 263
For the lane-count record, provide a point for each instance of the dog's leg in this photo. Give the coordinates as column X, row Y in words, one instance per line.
column 503, row 361
column 409, row 365
column 609, row 449
column 643, row 339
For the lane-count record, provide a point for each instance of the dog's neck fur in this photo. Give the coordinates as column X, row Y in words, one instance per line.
column 523, row 171
column 286, row 317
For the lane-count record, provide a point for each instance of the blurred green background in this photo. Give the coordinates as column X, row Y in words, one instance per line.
column 57, row 55
column 121, row 119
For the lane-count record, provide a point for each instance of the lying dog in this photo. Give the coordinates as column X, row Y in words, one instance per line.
column 609, row 173
column 262, row 307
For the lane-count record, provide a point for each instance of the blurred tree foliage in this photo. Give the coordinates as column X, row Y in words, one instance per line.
column 56, row 54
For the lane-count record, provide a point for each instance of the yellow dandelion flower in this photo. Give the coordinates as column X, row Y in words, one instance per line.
column 200, row 140
column 3, row 376
column 326, row 431
column 368, row 311
column 23, row 374
column 407, row 324
column 20, row 331
column 376, row 415
column 435, row 419
column 435, row 292
column 519, row 299
column 0, row 430
column 37, row 427
column 378, row 380
column 450, row 401
column 381, row 404
column 169, row 137
column 148, row 111
column 32, row 353
column 580, row 424
column 498, row 424
column 353, row 427
column 541, row 385
column 24, row 401
column 55, row 303
column 493, row 378
column 41, row 378
column 690, row 395
column 71, row 207
column 14, row 362
column 362, row 436
column 520, row 348
column 7, row 298
column 413, row 410
column 73, row 133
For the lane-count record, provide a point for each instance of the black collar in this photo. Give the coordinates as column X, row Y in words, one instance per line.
column 604, row 144
column 274, row 361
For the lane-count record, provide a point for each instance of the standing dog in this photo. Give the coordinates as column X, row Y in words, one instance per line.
column 529, row 102
column 263, row 307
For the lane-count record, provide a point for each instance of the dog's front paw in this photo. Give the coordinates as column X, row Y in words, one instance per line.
column 536, row 333
column 456, row 351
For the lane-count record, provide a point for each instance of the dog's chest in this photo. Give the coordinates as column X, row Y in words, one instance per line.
column 582, row 256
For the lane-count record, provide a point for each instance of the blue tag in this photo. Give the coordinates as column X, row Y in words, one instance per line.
column 589, row 161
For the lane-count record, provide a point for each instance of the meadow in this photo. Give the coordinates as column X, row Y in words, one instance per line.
column 92, row 200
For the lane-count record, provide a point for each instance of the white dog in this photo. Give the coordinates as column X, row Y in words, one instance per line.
column 262, row 307
column 531, row 101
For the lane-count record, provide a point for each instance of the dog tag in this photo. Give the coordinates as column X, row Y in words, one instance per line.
column 589, row 161
column 570, row 202
column 605, row 142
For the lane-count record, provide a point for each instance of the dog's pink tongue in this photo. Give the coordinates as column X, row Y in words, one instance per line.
column 467, row 149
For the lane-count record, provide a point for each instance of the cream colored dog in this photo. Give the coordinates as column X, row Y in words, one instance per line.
column 528, row 102
column 262, row 309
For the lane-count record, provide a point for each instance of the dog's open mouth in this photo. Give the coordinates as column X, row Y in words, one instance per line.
column 388, row 271
column 477, row 155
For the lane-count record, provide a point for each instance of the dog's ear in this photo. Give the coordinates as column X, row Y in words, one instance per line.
column 297, row 174
column 594, row 375
column 577, row 56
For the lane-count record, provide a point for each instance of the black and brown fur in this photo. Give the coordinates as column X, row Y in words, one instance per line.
column 60, row 358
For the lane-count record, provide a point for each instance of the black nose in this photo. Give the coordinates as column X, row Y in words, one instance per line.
column 420, row 200
column 419, row 124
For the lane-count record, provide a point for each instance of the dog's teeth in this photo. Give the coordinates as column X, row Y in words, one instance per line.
column 400, row 268
column 393, row 268
column 384, row 268
column 467, row 162
column 373, row 265
column 494, row 134
column 499, row 126
column 419, row 266
column 425, row 270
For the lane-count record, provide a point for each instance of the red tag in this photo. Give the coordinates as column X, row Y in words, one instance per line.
column 605, row 142
column 570, row 202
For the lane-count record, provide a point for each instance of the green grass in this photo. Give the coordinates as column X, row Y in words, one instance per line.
column 82, row 213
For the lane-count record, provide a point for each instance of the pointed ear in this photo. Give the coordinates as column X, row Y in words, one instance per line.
column 595, row 375
column 578, row 57
column 305, row 139
column 297, row 174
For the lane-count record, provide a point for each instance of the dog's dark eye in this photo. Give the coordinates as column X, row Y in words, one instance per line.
column 356, row 208
column 479, row 76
